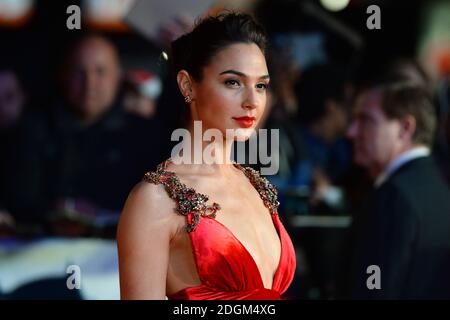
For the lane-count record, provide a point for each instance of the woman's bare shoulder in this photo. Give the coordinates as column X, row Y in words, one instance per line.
column 150, row 194
column 144, row 234
column 150, row 205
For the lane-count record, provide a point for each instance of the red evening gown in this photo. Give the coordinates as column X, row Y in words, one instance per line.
column 226, row 269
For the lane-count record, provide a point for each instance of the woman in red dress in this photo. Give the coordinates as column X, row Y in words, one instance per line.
column 209, row 230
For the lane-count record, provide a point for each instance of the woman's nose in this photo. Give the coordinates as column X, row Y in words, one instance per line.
column 251, row 100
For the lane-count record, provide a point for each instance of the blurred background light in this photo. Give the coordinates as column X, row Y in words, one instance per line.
column 15, row 12
column 334, row 5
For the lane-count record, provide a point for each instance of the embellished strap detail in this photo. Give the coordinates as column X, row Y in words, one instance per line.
column 266, row 190
column 188, row 201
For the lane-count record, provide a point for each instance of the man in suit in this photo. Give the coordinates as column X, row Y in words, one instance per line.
column 402, row 244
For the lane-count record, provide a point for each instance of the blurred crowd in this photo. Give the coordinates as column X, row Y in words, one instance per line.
column 77, row 160
column 67, row 168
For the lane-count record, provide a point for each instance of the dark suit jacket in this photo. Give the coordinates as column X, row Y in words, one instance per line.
column 406, row 232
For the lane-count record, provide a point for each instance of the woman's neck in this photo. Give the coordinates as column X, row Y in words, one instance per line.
column 205, row 151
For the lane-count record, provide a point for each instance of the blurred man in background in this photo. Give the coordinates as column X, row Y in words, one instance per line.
column 323, row 95
column 12, row 99
column 92, row 78
column 405, row 231
column 100, row 150
column 12, row 102
column 80, row 158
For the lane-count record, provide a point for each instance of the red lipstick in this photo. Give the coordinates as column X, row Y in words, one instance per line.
column 245, row 122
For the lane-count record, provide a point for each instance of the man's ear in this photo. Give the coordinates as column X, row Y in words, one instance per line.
column 407, row 127
column 185, row 84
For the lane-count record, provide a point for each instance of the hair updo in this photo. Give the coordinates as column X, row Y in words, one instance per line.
column 195, row 50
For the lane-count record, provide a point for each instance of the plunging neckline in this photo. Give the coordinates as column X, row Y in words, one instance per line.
column 233, row 236
column 239, row 242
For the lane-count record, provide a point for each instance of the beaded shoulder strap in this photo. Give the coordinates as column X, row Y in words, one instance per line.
column 188, row 201
column 266, row 190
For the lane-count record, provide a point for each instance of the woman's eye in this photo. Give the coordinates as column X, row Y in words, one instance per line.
column 263, row 86
column 232, row 83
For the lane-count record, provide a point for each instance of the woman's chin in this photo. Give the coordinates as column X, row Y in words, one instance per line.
column 241, row 138
column 241, row 134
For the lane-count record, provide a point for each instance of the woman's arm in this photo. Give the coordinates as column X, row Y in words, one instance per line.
column 143, row 241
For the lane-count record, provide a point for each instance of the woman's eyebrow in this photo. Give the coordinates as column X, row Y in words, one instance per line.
column 240, row 74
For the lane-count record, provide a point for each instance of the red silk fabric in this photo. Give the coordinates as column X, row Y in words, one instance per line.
column 226, row 269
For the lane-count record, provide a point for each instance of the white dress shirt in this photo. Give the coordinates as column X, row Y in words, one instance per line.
column 405, row 157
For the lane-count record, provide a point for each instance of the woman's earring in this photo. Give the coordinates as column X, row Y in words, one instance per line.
column 188, row 99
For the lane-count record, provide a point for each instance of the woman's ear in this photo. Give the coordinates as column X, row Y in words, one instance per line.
column 185, row 85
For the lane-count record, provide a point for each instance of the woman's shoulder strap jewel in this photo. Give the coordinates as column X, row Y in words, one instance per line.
column 266, row 190
column 188, row 201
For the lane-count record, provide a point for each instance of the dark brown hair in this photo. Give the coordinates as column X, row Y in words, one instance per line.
column 195, row 50
column 404, row 98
